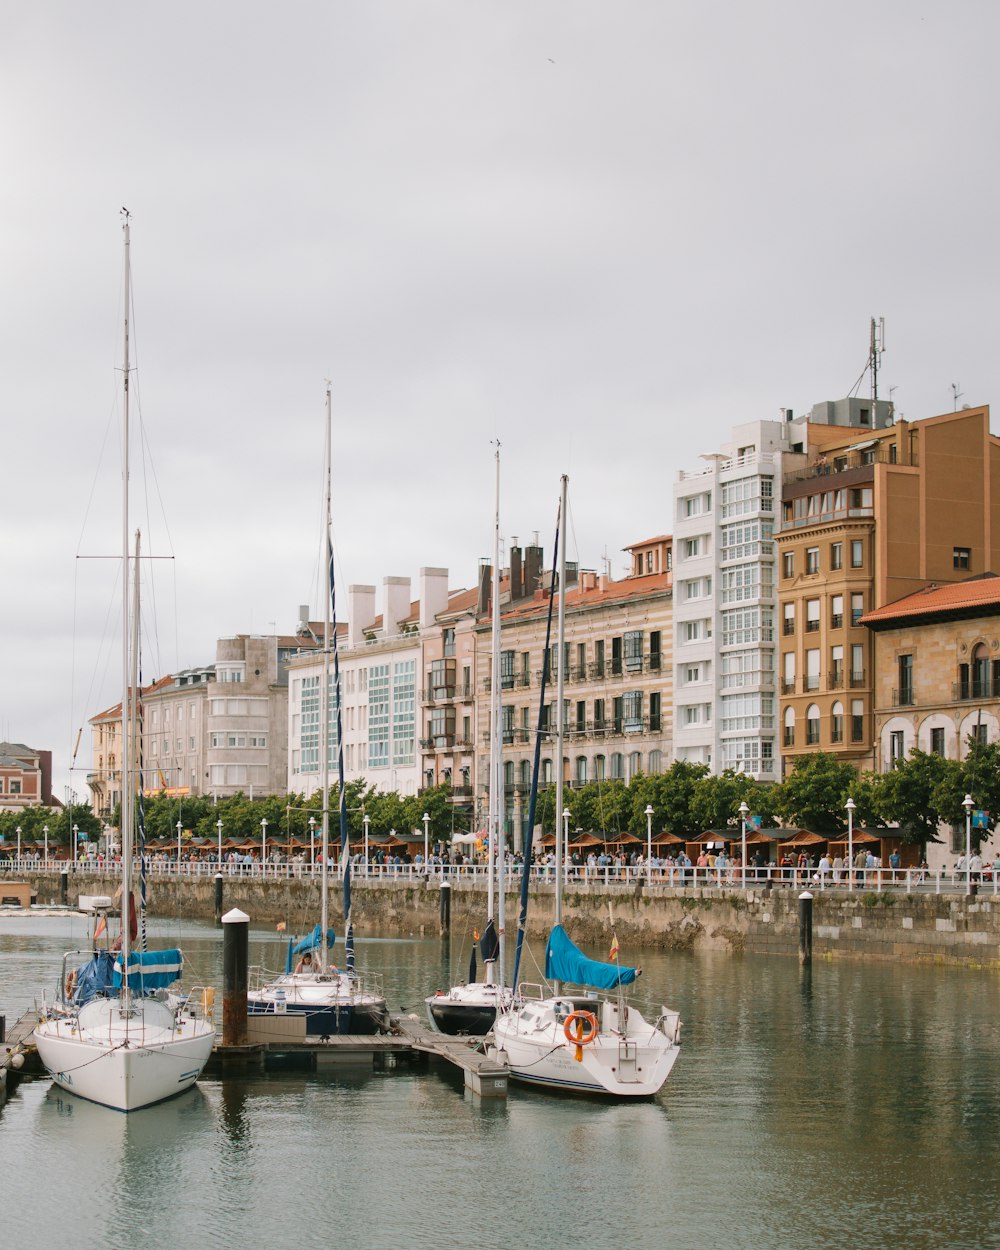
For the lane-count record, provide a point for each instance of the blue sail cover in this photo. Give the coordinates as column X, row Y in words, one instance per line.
column 566, row 962
column 150, row 970
column 93, row 977
column 313, row 940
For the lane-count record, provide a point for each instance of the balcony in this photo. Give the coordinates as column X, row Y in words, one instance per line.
column 984, row 689
column 857, row 679
column 837, row 620
column 836, row 681
column 788, row 687
column 903, row 697
column 789, row 627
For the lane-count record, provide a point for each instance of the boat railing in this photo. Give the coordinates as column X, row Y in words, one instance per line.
column 199, row 1003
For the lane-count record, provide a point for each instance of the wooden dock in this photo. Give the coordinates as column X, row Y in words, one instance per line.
column 274, row 1045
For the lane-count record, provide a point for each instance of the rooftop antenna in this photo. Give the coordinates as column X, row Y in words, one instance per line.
column 876, row 348
column 956, row 395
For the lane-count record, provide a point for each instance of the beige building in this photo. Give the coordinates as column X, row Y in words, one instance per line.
column 877, row 513
column 617, row 709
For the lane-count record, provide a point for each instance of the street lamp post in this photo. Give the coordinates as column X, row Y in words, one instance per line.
column 263, row 845
column 218, row 825
column 366, row 818
column 968, row 804
column 18, row 832
column 850, row 805
column 312, row 846
column 649, row 843
column 45, row 831
column 561, row 860
column 178, row 848
column 76, row 843
column 427, row 821
column 744, row 812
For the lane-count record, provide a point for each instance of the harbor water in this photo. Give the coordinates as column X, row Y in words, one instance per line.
column 853, row 1105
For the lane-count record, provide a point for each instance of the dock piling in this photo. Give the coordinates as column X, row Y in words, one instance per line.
column 235, row 934
column 218, row 897
column 805, row 927
column 445, row 908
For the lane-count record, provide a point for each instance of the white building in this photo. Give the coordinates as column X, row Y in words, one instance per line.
column 724, row 645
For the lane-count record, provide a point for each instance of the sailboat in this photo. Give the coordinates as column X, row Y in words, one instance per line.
column 333, row 1001
column 119, row 1039
column 576, row 1041
column 472, row 1008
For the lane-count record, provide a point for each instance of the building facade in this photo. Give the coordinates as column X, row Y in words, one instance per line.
column 25, row 777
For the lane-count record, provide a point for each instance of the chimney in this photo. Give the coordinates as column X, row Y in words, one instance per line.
column 532, row 569
column 433, row 595
column 303, row 625
column 396, row 591
column 588, row 580
column 360, row 613
column 516, row 572
column 485, row 587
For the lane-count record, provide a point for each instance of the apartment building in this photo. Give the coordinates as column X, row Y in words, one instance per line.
column 25, row 777
column 617, row 656
column 937, row 669
column 723, row 632
column 878, row 511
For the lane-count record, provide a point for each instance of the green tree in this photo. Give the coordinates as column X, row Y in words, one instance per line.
column 814, row 794
column 908, row 794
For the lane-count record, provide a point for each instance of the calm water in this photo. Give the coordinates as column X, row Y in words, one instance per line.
column 858, row 1106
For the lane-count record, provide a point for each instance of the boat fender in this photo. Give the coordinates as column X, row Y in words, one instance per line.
column 580, row 1029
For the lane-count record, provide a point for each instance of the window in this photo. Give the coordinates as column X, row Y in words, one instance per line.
column 692, row 548
column 506, row 670
column 581, row 716
column 581, row 770
column 857, row 608
column 857, row 720
column 836, row 611
column 904, row 665
column 632, row 711
column 788, row 625
column 692, row 631
column 617, row 765
column 961, row 557
column 836, row 555
column 599, row 714
column 788, row 673
column 633, row 650
column 812, row 669
column 837, row 723
column 978, row 733
column 448, row 638
column 694, row 505
column 599, row 769
column 812, row 615
column 937, row 741
column 788, row 736
column 654, row 650
column 857, row 665
column 788, row 564
column 812, row 725
column 857, row 553
column 599, row 657
column 836, row 667
column 895, row 748
column 654, row 711
column 507, row 723
column 692, row 673
column 812, row 559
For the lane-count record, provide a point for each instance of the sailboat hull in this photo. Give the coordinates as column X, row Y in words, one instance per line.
column 332, row 1005
column 466, row 1009
column 124, row 1059
column 629, row 1058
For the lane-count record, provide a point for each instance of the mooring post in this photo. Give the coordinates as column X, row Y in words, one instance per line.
column 64, row 887
column 445, row 907
column 805, row 928
column 235, row 931
column 218, row 898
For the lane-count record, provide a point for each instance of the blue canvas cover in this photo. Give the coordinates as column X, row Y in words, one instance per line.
column 312, row 941
column 566, row 962
column 94, row 977
column 150, row 970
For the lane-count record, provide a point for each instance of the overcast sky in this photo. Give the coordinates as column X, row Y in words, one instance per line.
column 600, row 232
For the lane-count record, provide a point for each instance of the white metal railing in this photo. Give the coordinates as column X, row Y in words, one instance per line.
column 660, row 875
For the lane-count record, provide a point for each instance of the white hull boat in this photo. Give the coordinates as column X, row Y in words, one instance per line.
column 469, row 1009
column 126, row 1057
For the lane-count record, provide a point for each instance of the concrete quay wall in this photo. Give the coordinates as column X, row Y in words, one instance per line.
column 891, row 925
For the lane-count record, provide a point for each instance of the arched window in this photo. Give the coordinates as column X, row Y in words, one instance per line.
column 789, row 736
column 525, row 775
column 617, row 765
column 599, row 770
column 508, row 775
column 634, row 764
column 581, row 770
column 812, row 725
column 980, row 672
column 546, row 772
column 837, row 722
column 655, row 762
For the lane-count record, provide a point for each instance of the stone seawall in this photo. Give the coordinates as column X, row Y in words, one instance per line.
column 892, row 925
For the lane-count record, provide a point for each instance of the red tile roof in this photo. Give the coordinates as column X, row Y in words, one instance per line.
column 978, row 592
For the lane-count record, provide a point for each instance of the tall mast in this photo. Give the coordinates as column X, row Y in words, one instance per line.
column 497, row 841
column 324, row 712
column 127, row 743
column 560, row 692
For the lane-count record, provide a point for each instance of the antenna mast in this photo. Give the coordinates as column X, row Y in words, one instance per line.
column 875, row 350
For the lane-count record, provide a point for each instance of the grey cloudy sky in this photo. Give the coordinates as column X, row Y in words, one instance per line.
column 602, row 232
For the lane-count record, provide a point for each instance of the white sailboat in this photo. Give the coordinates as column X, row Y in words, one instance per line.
column 333, row 1001
column 578, row 1042
column 122, row 1041
column 472, row 1008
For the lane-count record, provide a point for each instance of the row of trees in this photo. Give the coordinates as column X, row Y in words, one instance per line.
column 922, row 792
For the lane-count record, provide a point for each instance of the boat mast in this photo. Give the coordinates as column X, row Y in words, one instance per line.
column 324, row 712
column 560, row 694
column 127, row 743
column 497, row 841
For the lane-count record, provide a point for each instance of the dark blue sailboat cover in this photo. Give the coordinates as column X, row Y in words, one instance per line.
column 94, row 977
column 566, row 962
column 150, row 970
column 489, row 943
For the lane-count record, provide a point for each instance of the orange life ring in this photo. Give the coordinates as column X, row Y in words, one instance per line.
column 581, row 1035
